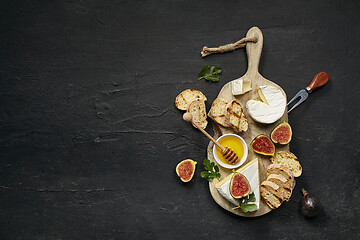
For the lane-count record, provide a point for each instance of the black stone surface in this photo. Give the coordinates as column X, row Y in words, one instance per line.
column 90, row 136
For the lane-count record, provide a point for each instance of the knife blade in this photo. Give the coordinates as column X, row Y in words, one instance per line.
column 318, row 80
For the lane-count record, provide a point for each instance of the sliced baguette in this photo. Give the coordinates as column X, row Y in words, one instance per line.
column 217, row 112
column 283, row 171
column 289, row 160
column 235, row 116
column 271, row 193
column 282, row 183
column 244, row 125
column 185, row 97
column 197, row 109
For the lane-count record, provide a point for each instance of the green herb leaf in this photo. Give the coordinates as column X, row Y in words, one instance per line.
column 212, row 170
column 245, row 205
column 249, row 207
column 212, row 70
column 204, row 174
column 252, row 198
column 205, row 69
column 217, row 70
column 213, row 78
column 210, row 73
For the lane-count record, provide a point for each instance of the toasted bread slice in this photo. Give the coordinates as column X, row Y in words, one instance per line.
column 244, row 125
column 197, row 109
column 217, row 112
column 272, row 194
column 185, row 97
column 282, row 183
column 234, row 115
column 283, row 171
column 289, row 160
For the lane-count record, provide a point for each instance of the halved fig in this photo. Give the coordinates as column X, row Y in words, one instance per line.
column 186, row 169
column 263, row 145
column 282, row 133
column 239, row 186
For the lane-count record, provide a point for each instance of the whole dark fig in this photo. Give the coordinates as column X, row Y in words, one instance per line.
column 310, row 205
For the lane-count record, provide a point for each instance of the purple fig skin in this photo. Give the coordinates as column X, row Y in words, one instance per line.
column 310, row 205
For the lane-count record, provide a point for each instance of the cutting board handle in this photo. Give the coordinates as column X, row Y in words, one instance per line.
column 253, row 50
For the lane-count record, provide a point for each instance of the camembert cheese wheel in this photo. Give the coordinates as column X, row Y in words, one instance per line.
column 271, row 108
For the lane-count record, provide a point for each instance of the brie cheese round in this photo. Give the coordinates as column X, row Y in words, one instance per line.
column 271, row 108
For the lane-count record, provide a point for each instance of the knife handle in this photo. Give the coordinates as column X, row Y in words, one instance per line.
column 318, row 80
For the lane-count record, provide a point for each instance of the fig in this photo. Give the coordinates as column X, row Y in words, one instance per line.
column 282, row 133
column 186, row 169
column 310, row 205
column 239, row 186
column 263, row 145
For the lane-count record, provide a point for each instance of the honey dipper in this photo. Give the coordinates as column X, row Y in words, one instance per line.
column 228, row 154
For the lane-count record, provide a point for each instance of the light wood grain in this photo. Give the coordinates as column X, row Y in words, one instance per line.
column 253, row 53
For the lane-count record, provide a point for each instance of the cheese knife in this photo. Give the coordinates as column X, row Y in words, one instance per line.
column 318, row 80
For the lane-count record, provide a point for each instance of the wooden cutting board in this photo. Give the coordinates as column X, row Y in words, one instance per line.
column 253, row 51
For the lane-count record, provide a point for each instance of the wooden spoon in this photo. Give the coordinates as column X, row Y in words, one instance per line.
column 228, row 154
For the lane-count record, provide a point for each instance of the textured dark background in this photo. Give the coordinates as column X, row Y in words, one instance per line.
column 90, row 136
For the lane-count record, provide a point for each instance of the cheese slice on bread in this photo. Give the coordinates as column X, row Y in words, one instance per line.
column 185, row 97
column 288, row 160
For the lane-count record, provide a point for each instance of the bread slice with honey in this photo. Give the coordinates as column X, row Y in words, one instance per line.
column 288, row 160
column 272, row 194
column 283, row 171
column 197, row 109
column 235, row 116
column 217, row 112
column 282, row 183
column 185, row 97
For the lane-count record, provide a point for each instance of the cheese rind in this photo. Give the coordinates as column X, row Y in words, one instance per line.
column 240, row 86
column 269, row 111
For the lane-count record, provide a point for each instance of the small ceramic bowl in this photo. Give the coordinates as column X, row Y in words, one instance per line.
column 242, row 160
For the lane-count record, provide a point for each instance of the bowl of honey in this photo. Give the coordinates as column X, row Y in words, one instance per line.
column 237, row 144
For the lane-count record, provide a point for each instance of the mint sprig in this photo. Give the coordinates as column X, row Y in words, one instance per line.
column 210, row 73
column 245, row 205
column 212, row 170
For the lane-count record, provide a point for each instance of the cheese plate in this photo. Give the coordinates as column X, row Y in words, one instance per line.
column 252, row 75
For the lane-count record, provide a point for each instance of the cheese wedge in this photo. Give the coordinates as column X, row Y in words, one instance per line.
column 251, row 172
column 271, row 108
column 240, row 86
